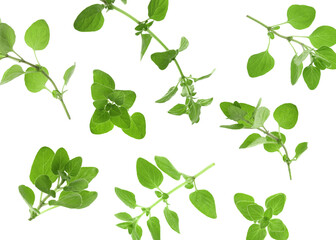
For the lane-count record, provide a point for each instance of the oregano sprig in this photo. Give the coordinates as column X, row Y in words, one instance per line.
column 112, row 106
column 151, row 177
column 92, row 19
column 35, row 76
column 69, row 178
column 249, row 117
column 321, row 55
column 263, row 219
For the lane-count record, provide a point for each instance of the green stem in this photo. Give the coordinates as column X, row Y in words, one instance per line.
column 289, row 170
column 39, row 69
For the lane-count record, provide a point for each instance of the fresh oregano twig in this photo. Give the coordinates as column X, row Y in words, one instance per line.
column 249, row 117
column 36, row 76
column 92, row 19
column 151, row 177
column 321, row 55
column 70, row 177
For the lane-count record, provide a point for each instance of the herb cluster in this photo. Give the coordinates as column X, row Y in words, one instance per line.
column 92, row 19
column 68, row 176
column 321, row 56
column 151, row 177
column 249, row 117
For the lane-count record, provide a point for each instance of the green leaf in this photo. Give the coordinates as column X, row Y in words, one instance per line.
column 12, row 73
column 7, row 38
column 256, row 233
column 77, row 185
column 157, row 9
column 124, row 216
column 137, row 129
column 276, row 202
column 323, row 36
column 171, row 92
column 100, row 128
column 127, row 197
column 100, row 104
column 204, row 77
column 153, row 224
column 61, row 158
column 103, row 85
column 125, row 225
column 43, row 184
column 37, row 35
column 260, row 117
column 260, row 64
column 162, row 59
column 123, row 120
column 204, row 202
column 235, row 113
column 136, row 233
column 301, row 148
column 242, row 201
column 114, row 111
column 124, row 1
column 327, row 54
column 253, row 140
column 320, row 63
column 312, row 76
column 87, row 198
column 148, row 175
column 296, row 69
column 277, row 229
column 68, row 74
column 35, row 80
column 172, row 219
column 28, row 195
column 184, row 44
column 268, row 213
column 233, row 126
column 42, row 165
column 87, row 173
column 90, row 19
column 204, row 102
column 194, row 111
column 146, row 40
column 286, row 115
column 167, row 167
column 178, row 109
column 100, row 116
column 273, row 145
column 73, row 166
column 255, row 211
column 300, row 16
column 129, row 98
column 71, row 200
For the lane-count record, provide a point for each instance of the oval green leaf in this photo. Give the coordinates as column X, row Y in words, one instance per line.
column 90, row 19
column 162, row 59
column 73, row 166
column 37, row 35
column 277, row 229
column 311, row 76
column 127, row 197
column 323, row 36
column 300, row 16
column 148, row 175
column 7, row 39
column 157, row 9
column 286, row 115
column 172, row 219
column 153, row 224
column 204, row 202
column 296, row 69
column 61, row 158
column 42, row 165
column 137, row 129
column 256, row 233
column 253, row 140
column 276, row 202
column 12, row 73
column 100, row 128
column 260, row 64
column 27, row 194
column 35, row 80
column 167, row 167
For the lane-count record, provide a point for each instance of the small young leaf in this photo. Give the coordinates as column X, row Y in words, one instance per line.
column 276, row 202
column 286, row 115
column 124, row 216
column 253, row 140
column 71, row 200
column 301, row 148
column 312, row 76
column 260, row 64
column 42, row 165
column 204, row 102
column 35, row 80
column 323, row 36
column 204, row 202
column 148, row 175
column 87, row 198
column 300, row 16
column 157, row 9
column 137, row 129
column 146, row 39
column 233, row 126
column 268, row 213
column 256, row 233
column 204, row 77
column 296, row 69
column 125, row 225
column 255, row 211
column 77, row 185
column 87, row 173
column 7, row 38
column 261, row 116
column 162, row 59
column 90, row 19
column 178, row 109
column 73, row 166
column 126, row 197
column 274, row 146
column 123, row 120
column 194, row 112
column 167, row 167
column 184, row 44
column 12, row 73
column 61, row 158
column 28, row 195
column 171, row 92
column 37, row 35
column 153, row 224
column 172, row 219
column 136, row 233
column 277, row 229
column 242, row 201
column 43, row 184
column 100, row 128
column 68, row 74
column 327, row 54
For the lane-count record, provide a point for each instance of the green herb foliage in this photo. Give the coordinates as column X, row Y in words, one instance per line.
column 35, row 76
column 112, row 106
column 151, row 177
column 249, row 117
column 263, row 219
column 69, row 178
column 319, row 53
column 92, row 19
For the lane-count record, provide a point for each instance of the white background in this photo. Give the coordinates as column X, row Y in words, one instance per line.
column 220, row 37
